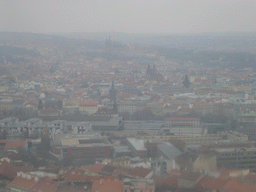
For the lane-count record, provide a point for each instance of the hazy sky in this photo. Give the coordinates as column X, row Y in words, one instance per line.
column 132, row 16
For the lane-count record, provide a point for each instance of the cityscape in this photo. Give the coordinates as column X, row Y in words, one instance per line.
column 122, row 111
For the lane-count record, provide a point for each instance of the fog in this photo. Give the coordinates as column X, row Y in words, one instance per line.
column 165, row 16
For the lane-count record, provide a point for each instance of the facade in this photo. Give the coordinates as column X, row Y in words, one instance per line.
column 247, row 118
column 249, row 131
column 205, row 162
column 124, row 161
column 114, row 124
column 182, row 122
column 163, row 166
column 88, row 107
column 140, row 185
column 90, row 146
column 238, row 158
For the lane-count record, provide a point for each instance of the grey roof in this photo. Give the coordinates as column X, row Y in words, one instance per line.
column 169, row 150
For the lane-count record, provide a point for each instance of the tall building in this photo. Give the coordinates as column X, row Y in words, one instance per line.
column 112, row 93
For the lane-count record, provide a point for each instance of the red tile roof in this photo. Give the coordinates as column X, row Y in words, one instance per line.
column 107, row 185
column 87, row 102
column 96, row 168
column 13, row 144
column 79, row 175
column 211, row 183
column 234, row 185
column 21, row 183
column 7, row 170
column 140, row 172
column 45, row 185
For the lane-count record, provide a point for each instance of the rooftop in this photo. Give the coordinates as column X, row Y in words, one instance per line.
column 137, row 144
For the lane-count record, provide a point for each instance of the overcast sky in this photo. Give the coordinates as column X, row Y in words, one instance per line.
column 131, row 16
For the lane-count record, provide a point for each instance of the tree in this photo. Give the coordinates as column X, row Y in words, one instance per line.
column 186, row 82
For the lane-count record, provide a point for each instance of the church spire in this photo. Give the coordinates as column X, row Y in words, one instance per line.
column 112, row 86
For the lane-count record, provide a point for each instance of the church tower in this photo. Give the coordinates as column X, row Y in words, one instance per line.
column 112, row 93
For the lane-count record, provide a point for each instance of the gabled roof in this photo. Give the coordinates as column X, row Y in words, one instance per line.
column 7, row 170
column 211, row 183
column 108, row 169
column 13, row 144
column 21, row 183
column 140, row 172
column 45, row 185
column 234, row 185
column 96, row 168
column 190, row 175
column 79, row 175
column 107, row 185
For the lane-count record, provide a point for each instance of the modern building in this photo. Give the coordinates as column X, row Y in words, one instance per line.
column 236, row 158
column 182, row 122
column 137, row 146
column 85, row 146
column 114, row 124
column 167, row 151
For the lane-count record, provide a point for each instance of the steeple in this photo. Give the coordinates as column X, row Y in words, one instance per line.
column 112, row 92
column 112, row 86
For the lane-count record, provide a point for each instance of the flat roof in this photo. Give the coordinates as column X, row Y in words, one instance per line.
column 138, row 144
column 221, row 150
column 74, row 142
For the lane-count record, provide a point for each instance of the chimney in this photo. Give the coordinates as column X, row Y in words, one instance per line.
column 101, row 181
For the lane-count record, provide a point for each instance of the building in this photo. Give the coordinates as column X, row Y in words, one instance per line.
column 88, row 107
column 120, row 162
column 38, row 181
column 167, row 151
column 32, row 127
column 182, row 122
column 206, row 161
column 250, row 131
column 103, row 185
column 141, row 185
column 238, row 158
column 87, row 146
column 112, row 93
column 80, row 127
column 114, row 124
column 137, row 146
column 163, row 166
column 189, row 179
column 247, row 118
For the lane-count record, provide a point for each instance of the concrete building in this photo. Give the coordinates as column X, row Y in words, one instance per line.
column 182, row 122
column 85, row 146
column 238, row 158
column 114, row 124
column 137, row 146
column 167, row 151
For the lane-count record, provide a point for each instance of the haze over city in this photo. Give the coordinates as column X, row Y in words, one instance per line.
column 145, row 16
column 127, row 96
